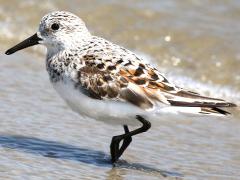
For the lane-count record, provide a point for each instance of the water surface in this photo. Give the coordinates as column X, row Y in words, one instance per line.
column 195, row 43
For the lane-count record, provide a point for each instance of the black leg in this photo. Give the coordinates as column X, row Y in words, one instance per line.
column 116, row 152
column 126, row 141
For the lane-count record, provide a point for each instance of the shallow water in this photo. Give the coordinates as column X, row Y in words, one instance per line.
column 195, row 43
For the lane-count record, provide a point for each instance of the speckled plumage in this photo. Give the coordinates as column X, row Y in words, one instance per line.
column 107, row 71
column 104, row 71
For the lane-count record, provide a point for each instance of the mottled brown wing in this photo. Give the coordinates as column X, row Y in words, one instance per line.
column 158, row 88
column 112, row 72
column 151, row 83
column 105, row 85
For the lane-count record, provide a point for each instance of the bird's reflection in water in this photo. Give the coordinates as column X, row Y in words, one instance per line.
column 53, row 149
column 116, row 174
column 121, row 167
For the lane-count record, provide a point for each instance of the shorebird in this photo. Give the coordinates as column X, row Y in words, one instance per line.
column 107, row 82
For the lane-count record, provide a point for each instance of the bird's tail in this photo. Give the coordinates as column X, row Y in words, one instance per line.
column 214, row 111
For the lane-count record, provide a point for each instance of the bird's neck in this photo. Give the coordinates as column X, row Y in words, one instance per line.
column 74, row 43
column 59, row 57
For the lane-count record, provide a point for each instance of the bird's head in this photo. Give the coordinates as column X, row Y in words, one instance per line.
column 57, row 30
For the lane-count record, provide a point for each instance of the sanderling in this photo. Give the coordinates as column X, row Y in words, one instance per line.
column 107, row 82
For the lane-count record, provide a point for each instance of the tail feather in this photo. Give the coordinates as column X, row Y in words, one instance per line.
column 197, row 103
column 214, row 111
column 190, row 99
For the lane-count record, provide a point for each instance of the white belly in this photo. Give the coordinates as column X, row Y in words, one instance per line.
column 114, row 112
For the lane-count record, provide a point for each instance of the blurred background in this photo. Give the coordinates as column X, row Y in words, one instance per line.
column 194, row 43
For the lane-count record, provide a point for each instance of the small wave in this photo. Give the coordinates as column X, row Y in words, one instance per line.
column 213, row 90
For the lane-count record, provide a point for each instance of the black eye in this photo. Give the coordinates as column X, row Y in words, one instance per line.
column 55, row 26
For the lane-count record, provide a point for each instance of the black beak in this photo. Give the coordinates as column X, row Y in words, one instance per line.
column 31, row 41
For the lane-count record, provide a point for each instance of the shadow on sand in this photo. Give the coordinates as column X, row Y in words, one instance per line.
column 53, row 149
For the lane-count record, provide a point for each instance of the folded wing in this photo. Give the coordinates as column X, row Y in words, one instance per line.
column 118, row 74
